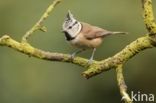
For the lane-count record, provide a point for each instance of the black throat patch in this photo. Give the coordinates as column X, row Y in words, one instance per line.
column 68, row 36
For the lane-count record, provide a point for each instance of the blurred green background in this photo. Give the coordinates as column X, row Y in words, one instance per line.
column 30, row 80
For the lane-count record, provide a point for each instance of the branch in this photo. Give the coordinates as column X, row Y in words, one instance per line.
column 122, row 85
column 97, row 67
column 45, row 55
column 123, row 56
column 148, row 16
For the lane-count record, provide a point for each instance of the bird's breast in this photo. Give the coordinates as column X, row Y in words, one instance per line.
column 81, row 42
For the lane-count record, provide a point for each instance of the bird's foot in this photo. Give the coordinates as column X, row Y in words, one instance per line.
column 72, row 56
column 90, row 61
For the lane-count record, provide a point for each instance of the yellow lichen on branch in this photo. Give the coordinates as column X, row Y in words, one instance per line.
column 149, row 16
column 38, row 53
column 120, row 58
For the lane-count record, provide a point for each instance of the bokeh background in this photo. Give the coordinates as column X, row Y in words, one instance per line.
column 26, row 79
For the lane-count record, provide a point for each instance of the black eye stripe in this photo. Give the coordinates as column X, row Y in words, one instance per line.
column 70, row 27
column 75, row 23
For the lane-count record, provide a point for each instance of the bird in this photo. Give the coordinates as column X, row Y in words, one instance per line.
column 83, row 35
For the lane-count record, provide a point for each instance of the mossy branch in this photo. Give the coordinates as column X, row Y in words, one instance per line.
column 124, row 55
column 96, row 68
column 149, row 16
column 32, row 51
column 122, row 85
column 117, row 61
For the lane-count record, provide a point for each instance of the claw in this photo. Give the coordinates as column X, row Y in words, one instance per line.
column 90, row 61
column 72, row 56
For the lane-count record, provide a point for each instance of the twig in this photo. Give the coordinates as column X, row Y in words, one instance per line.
column 122, row 85
column 39, row 25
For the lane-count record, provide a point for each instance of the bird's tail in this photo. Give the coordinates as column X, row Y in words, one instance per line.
column 112, row 33
column 116, row 32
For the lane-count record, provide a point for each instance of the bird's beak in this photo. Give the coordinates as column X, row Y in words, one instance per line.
column 62, row 31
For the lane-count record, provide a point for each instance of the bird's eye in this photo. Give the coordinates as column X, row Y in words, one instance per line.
column 70, row 27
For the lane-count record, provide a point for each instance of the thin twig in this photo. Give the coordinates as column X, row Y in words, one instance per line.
column 39, row 24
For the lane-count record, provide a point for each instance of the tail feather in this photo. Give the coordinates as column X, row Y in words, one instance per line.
column 119, row 32
column 112, row 33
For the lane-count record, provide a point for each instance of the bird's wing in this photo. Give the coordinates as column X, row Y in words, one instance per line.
column 92, row 32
